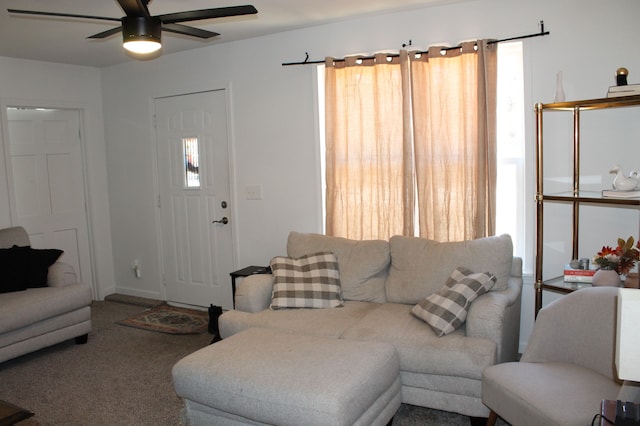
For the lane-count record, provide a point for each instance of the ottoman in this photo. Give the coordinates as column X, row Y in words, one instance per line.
column 262, row 376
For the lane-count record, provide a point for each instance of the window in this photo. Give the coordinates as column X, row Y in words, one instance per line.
column 191, row 168
column 510, row 191
column 510, row 199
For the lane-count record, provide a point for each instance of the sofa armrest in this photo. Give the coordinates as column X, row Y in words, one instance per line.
column 61, row 274
column 496, row 316
column 253, row 293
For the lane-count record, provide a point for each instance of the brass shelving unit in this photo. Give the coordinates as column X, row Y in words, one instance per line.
column 574, row 197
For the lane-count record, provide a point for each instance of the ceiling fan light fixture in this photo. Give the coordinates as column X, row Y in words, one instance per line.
column 141, row 31
column 142, row 46
column 141, row 35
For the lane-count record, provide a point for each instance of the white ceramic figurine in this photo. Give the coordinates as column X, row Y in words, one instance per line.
column 622, row 182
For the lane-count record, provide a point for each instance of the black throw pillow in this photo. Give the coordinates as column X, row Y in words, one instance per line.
column 13, row 266
column 38, row 264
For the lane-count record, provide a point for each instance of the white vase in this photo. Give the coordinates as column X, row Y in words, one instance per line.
column 606, row 277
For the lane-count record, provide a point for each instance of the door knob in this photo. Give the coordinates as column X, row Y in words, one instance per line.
column 223, row 221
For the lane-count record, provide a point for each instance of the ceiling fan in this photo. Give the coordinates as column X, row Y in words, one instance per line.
column 141, row 32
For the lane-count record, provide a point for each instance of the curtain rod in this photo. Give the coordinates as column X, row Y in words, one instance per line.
column 539, row 34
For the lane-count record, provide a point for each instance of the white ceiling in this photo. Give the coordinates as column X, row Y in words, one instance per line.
column 64, row 39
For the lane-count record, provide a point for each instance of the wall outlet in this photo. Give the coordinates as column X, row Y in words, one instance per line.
column 253, row 192
column 135, row 265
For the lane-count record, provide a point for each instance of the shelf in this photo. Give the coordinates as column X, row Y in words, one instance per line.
column 589, row 197
column 575, row 197
column 561, row 286
column 589, row 104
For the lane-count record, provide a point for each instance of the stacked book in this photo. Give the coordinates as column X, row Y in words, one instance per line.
column 626, row 90
column 573, row 275
column 616, row 193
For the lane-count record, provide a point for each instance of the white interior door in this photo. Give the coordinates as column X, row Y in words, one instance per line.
column 45, row 150
column 193, row 176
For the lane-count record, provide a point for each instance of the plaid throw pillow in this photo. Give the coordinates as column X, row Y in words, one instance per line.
column 311, row 281
column 446, row 310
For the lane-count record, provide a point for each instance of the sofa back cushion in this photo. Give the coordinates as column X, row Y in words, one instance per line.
column 14, row 236
column 363, row 265
column 419, row 267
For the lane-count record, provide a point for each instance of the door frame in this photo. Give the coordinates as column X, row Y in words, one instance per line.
column 232, row 176
column 6, row 152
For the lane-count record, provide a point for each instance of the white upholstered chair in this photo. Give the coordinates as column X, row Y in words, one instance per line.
column 567, row 368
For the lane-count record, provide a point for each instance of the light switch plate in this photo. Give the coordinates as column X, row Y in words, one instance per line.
column 253, row 192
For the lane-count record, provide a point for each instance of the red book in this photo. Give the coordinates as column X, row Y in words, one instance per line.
column 580, row 272
column 578, row 275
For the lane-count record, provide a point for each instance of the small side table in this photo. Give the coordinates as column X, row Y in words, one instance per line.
column 609, row 410
column 10, row 413
column 245, row 272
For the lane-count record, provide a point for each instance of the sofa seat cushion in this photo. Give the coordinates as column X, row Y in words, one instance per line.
column 363, row 264
column 313, row 322
column 420, row 267
column 444, row 385
column 550, row 393
column 45, row 333
column 420, row 350
column 19, row 309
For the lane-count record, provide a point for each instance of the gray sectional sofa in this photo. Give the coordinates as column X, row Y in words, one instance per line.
column 34, row 318
column 381, row 283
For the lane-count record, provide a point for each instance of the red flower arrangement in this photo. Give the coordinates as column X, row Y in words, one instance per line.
column 620, row 259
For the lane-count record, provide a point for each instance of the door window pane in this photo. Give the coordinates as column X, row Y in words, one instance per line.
column 191, row 168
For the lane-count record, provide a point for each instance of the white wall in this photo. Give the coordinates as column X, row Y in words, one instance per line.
column 32, row 83
column 273, row 118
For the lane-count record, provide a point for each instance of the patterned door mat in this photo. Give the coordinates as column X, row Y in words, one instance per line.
column 169, row 319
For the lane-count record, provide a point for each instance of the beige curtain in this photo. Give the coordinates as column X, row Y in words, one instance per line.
column 412, row 125
column 369, row 166
column 454, row 104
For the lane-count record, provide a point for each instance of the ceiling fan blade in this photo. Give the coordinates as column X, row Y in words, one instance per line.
column 134, row 7
column 107, row 33
column 190, row 31
column 195, row 15
column 61, row 15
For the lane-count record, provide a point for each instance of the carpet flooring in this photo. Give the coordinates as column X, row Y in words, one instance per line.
column 122, row 376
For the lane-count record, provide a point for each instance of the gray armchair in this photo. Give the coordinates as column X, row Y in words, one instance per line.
column 567, row 368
